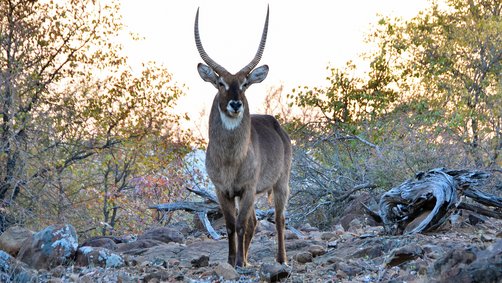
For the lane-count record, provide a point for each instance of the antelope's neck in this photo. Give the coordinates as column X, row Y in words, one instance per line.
column 229, row 137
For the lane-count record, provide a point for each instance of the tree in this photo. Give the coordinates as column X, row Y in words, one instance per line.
column 350, row 100
column 68, row 96
column 432, row 95
column 451, row 57
column 335, row 144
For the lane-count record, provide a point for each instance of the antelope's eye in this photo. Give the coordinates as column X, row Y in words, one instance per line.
column 221, row 84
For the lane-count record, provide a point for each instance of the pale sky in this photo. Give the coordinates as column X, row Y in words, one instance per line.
column 303, row 38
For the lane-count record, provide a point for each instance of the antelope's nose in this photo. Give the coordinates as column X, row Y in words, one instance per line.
column 235, row 105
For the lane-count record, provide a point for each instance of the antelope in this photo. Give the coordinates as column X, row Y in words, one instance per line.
column 247, row 155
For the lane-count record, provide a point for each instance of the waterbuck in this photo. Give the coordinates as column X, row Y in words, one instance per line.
column 247, row 154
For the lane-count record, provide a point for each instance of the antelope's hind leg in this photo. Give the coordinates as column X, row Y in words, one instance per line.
column 229, row 212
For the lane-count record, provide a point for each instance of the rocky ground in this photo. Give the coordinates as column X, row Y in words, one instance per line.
column 467, row 250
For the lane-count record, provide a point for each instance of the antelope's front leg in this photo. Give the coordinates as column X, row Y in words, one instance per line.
column 248, row 235
column 246, row 207
column 229, row 212
column 281, row 192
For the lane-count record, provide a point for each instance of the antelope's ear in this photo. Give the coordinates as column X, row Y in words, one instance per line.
column 207, row 74
column 258, row 75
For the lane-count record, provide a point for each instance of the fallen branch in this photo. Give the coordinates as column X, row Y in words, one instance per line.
column 355, row 189
column 205, row 221
column 199, row 208
column 187, row 206
column 206, row 194
column 483, row 198
column 202, row 209
column 480, row 210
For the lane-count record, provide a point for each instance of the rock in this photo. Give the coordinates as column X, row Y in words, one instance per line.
column 137, row 247
column 163, row 234
column 200, row 261
column 296, row 245
column 217, row 249
column 334, row 260
column 165, row 252
column 369, row 251
column 404, row 254
column 265, row 226
column 179, row 276
column 158, row 276
column 349, row 268
column 338, row 229
column 12, row 270
column 308, row 228
column 12, row 239
column 303, row 257
column 433, row 251
column 346, row 236
column 475, row 219
column 470, row 264
column 226, row 271
column 332, row 244
column 125, row 277
column 50, row 247
column 274, row 272
column 487, row 238
column 97, row 256
column 316, row 250
column 355, row 211
column 261, row 250
column 289, row 235
column 58, row 271
column 453, row 258
column 102, row 242
column 183, row 227
column 173, row 262
column 328, row 236
column 355, row 225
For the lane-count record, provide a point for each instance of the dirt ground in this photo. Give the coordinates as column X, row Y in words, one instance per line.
column 469, row 250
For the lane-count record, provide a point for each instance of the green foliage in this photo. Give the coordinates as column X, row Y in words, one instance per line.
column 349, row 101
column 452, row 59
column 432, row 98
column 78, row 125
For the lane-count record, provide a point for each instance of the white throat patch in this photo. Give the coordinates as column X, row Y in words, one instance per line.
column 230, row 123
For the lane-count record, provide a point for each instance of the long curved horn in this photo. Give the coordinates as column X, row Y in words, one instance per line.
column 249, row 67
column 215, row 66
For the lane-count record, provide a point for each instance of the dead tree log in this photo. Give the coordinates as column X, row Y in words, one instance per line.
column 205, row 194
column 211, row 207
column 202, row 209
column 424, row 203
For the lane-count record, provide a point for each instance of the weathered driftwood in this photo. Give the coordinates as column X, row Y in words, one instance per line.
column 424, row 203
column 480, row 210
column 200, row 208
column 210, row 207
column 207, row 224
column 206, row 194
column 193, row 206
